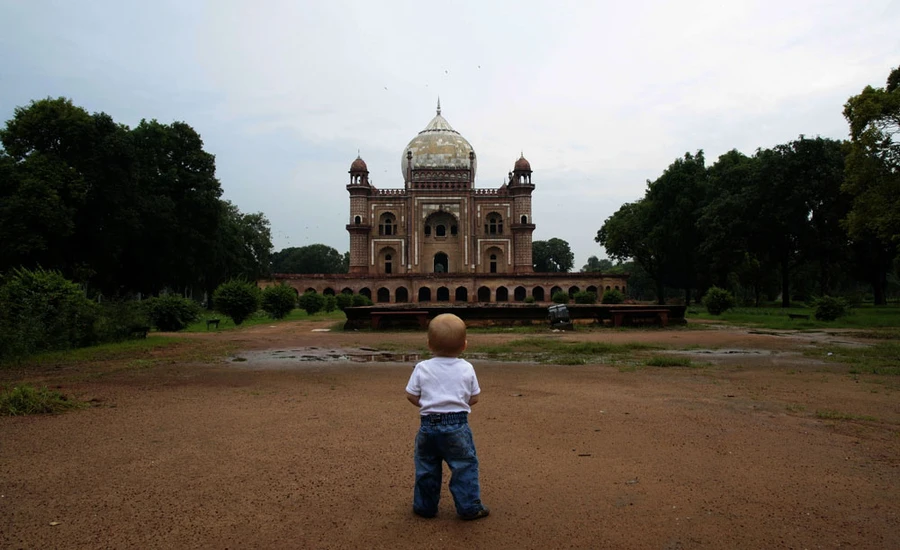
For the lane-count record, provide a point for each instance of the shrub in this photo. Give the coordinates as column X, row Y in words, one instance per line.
column 41, row 310
column 343, row 301
column 278, row 300
column 120, row 319
column 718, row 300
column 360, row 300
column 612, row 296
column 330, row 303
column 171, row 312
column 237, row 299
column 529, row 299
column 829, row 308
column 585, row 297
column 27, row 399
column 560, row 297
column 312, row 302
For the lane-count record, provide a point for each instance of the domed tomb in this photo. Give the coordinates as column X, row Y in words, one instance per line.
column 438, row 147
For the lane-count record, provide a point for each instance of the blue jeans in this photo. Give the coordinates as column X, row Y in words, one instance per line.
column 448, row 440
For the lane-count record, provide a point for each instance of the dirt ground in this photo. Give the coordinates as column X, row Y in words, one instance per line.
column 735, row 452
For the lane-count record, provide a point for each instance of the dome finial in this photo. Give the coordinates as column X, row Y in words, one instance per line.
column 439, row 105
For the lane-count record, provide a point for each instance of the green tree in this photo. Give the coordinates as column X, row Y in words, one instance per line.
column 314, row 258
column 873, row 176
column 595, row 264
column 243, row 247
column 237, row 299
column 312, row 302
column 625, row 237
column 180, row 207
column 552, row 256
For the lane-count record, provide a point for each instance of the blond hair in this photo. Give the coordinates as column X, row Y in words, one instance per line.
column 447, row 335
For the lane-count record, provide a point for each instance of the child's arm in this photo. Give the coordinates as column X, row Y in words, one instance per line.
column 414, row 399
column 473, row 400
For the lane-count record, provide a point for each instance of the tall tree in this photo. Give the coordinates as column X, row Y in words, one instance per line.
column 625, row 237
column 552, row 256
column 243, row 248
column 179, row 207
column 873, row 176
column 314, row 258
column 675, row 200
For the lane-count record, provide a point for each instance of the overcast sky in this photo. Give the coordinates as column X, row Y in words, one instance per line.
column 600, row 96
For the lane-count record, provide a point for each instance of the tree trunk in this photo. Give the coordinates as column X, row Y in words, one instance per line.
column 660, row 292
column 785, row 283
column 687, row 296
column 879, row 284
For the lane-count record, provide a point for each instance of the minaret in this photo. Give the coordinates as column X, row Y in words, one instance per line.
column 359, row 225
column 522, row 226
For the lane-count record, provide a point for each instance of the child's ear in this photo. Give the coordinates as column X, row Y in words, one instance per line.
column 465, row 345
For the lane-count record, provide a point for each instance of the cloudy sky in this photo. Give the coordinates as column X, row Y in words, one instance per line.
column 600, row 96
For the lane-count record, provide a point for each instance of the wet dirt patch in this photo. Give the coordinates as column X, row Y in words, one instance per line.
column 298, row 357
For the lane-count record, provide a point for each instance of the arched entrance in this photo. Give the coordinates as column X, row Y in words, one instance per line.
column 384, row 295
column 424, row 294
column 538, row 293
column 402, row 294
column 519, row 294
column 443, row 294
column 484, row 294
column 502, row 294
column 462, row 294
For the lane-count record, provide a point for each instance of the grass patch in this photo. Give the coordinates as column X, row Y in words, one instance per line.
column 795, row 408
column 556, row 351
column 26, row 399
column 668, row 361
column 862, row 317
column 881, row 358
column 261, row 318
column 830, row 414
column 105, row 352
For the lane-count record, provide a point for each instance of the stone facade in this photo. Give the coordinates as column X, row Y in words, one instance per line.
column 441, row 239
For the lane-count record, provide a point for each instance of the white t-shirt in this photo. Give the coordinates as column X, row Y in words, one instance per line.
column 444, row 385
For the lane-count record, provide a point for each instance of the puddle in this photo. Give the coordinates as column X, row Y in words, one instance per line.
column 288, row 358
column 723, row 352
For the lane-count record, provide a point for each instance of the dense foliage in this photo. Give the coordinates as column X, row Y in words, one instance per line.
column 119, row 210
column 810, row 217
column 717, row 300
column 237, row 299
column 314, row 258
column 172, row 312
column 560, row 297
column 553, row 256
column 40, row 310
column 312, row 302
column 829, row 308
column 278, row 300
column 612, row 296
column 585, row 297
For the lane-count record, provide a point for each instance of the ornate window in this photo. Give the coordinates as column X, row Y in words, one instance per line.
column 387, row 224
column 493, row 263
column 494, row 224
column 387, row 264
column 440, row 230
column 357, row 220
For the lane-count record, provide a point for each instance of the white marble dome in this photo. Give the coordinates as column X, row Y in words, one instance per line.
column 439, row 146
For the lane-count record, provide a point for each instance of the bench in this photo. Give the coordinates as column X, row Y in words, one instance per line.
column 619, row 316
column 798, row 316
column 421, row 317
column 212, row 322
